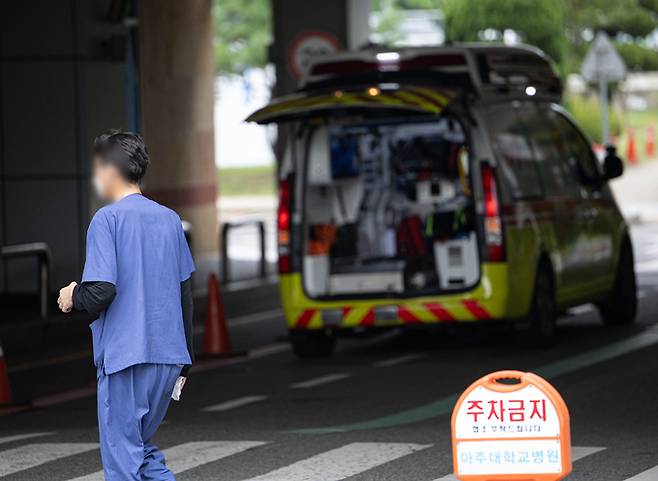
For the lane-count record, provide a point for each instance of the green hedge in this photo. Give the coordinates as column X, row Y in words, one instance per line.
column 587, row 112
column 637, row 57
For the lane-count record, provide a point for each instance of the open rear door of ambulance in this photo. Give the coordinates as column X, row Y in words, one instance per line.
column 384, row 99
column 374, row 100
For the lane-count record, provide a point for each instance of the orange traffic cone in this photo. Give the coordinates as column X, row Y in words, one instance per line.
column 216, row 339
column 650, row 144
column 5, row 389
column 631, row 152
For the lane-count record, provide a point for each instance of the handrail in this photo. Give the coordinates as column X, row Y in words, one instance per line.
column 225, row 261
column 42, row 252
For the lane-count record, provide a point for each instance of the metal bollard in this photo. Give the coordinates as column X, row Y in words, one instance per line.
column 42, row 252
column 225, row 261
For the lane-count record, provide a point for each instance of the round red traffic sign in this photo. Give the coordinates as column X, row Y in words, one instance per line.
column 308, row 45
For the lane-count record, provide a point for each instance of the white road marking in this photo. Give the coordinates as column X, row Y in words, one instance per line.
column 580, row 452
column 234, row 403
column 248, row 319
column 256, row 353
column 577, row 452
column 318, row 381
column 647, row 266
column 648, row 475
column 188, row 456
column 21, row 437
column 342, row 462
column 642, row 294
column 89, row 391
column 33, row 455
column 399, row 360
column 191, row 455
column 578, row 310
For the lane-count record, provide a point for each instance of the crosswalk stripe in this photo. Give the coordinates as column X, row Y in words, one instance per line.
column 580, row 452
column 342, row 462
column 577, row 452
column 188, row 456
column 33, row 455
column 234, row 403
column 648, row 475
column 399, row 360
column 318, row 381
column 191, row 455
column 22, row 437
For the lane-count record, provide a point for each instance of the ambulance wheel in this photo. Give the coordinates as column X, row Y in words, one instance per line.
column 312, row 344
column 620, row 306
column 539, row 328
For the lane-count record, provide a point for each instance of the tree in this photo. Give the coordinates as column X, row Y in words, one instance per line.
column 636, row 18
column 243, row 31
column 536, row 22
column 389, row 14
column 626, row 21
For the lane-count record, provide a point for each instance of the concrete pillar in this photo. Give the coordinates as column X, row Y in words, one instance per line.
column 358, row 29
column 177, row 76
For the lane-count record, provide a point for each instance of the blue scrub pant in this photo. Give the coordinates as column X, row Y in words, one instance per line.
column 131, row 405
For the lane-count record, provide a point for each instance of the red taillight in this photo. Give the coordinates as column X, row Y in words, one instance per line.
column 283, row 225
column 493, row 227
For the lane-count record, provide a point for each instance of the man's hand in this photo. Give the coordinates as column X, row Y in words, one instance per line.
column 65, row 300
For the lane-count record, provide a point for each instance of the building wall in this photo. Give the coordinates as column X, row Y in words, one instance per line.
column 62, row 80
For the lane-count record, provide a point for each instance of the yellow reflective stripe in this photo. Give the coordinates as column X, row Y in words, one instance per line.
column 316, row 320
column 434, row 94
column 421, row 102
column 354, row 316
column 421, row 313
column 459, row 311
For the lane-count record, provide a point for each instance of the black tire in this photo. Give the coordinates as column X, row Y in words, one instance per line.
column 312, row 344
column 620, row 306
column 539, row 327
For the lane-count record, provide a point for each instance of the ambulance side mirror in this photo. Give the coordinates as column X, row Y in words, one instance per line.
column 613, row 166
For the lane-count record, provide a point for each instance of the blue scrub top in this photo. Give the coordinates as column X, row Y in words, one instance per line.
column 139, row 246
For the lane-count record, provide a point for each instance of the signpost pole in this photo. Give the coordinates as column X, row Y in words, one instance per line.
column 603, row 64
column 603, row 94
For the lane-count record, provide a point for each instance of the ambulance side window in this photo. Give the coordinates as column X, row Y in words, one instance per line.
column 550, row 151
column 580, row 155
column 513, row 151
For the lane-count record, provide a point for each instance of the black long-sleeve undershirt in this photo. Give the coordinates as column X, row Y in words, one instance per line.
column 187, row 303
column 96, row 296
column 93, row 297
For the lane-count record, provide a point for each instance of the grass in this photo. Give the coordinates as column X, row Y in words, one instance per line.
column 246, row 181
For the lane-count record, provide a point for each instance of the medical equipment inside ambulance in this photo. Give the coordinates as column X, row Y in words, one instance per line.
column 388, row 209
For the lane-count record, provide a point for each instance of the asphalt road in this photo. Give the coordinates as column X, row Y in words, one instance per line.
column 379, row 409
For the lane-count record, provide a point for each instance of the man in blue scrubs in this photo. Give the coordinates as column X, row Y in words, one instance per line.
column 136, row 278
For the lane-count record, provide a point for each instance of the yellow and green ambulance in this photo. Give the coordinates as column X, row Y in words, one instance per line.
column 427, row 186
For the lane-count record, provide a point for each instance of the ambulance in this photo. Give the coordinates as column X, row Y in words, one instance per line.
column 425, row 186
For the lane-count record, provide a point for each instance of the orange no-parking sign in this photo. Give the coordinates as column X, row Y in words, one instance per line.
column 511, row 426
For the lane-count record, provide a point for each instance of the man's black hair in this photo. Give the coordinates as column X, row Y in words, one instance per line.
column 126, row 150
